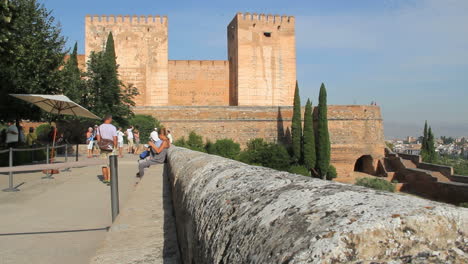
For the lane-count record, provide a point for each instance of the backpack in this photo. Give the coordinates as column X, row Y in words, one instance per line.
column 144, row 154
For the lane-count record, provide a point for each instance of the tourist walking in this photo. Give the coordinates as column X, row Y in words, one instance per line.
column 136, row 135
column 159, row 155
column 12, row 135
column 120, row 141
column 95, row 149
column 130, row 137
column 90, row 141
column 107, row 141
column 169, row 136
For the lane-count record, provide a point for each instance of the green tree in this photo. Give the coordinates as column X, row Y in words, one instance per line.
column 195, row 142
column 296, row 127
column 73, row 85
column 107, row 94
column 309, row 138
column 145, row 125
column 323, row 137
column 430, row 154
column 6, row 13
column 424, row 140
column 30, row 59
column 261, row 153
column 226, row 148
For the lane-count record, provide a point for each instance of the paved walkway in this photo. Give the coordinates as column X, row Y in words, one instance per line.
column 145, row 230
column 63, row 220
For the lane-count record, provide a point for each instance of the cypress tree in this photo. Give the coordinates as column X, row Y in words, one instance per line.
column 323, row 137
column 73, row 85
column 296, row 126
column 430, row 151
column 309, row 138
column 424, row 140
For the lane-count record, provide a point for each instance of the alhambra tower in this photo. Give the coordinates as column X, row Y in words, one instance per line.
column 262, row 60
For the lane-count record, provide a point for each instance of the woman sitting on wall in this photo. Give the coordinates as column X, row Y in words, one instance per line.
column 160, row 151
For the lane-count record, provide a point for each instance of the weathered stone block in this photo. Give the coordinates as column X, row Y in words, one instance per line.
column 229, row 212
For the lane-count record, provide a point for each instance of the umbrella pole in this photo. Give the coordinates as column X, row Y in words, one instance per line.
column 50, row 172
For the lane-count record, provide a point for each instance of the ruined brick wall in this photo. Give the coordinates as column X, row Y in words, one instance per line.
column 141, row 46
column 354, row 130
column 262, row 55
column 195, row 82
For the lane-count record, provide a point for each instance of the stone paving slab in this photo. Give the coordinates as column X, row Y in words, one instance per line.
column 144, row 231
column 59, row 220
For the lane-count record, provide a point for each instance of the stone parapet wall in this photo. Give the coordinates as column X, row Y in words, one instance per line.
column 355, row 130
column 230, row 212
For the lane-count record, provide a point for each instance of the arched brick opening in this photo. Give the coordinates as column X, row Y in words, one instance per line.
column 365, row 164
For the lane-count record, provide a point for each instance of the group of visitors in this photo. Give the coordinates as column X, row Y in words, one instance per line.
column 13, row 136
column 110, row 140
column 133, row 140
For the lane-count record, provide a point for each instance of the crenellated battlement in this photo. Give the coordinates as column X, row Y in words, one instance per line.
column 109, row 19
column 267, row 18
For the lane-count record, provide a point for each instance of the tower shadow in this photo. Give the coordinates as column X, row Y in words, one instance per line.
column 283, row 137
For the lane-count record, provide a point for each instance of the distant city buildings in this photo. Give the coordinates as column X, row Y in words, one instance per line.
column 412, row 145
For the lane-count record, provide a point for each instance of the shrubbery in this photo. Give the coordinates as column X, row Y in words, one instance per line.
column 258, row 152
column 194, row 142
column 271, row 155
column 377, row 184
column 145, row 124
column 42, row 132
column 225, row 148
column 298, row 169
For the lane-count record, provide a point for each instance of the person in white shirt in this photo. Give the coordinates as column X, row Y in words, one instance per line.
column 169, row 136
column 120, row 141
column 107, row 141
column 12, row 135
column 154, row 135
column 129, row 133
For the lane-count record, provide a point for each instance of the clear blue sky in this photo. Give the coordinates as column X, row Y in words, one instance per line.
column 411, row 56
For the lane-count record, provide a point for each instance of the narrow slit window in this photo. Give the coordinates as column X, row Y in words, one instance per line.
column 267, row 34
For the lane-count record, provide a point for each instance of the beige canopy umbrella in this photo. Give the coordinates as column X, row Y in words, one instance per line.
column 56, row 104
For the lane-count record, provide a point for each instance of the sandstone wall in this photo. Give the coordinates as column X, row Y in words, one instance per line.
column 193, row 82
column 262, row 54
column 354, row 130
column 229, row 212
column 141, row 47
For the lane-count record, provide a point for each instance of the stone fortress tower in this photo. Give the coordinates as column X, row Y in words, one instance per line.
column 141, row 48
column 261, row 70
column 249, row 95
column 262, row 60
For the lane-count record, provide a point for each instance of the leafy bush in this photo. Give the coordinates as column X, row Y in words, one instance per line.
column 23, row 157
column 209, row 147
column 270, row 155
column 465, row 204
column 377, row 184
column 194, row 142
column 331, row 174
column 253, row 153
column 301, row 170
column 225, row 148
column 460, row 166
column 181, row 142
column 145, row 124
column 42, row 132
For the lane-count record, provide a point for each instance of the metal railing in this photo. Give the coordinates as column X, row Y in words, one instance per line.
column 47, row 148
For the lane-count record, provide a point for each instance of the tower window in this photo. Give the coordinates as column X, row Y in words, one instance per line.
column 254, row 25
column 267, row 34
